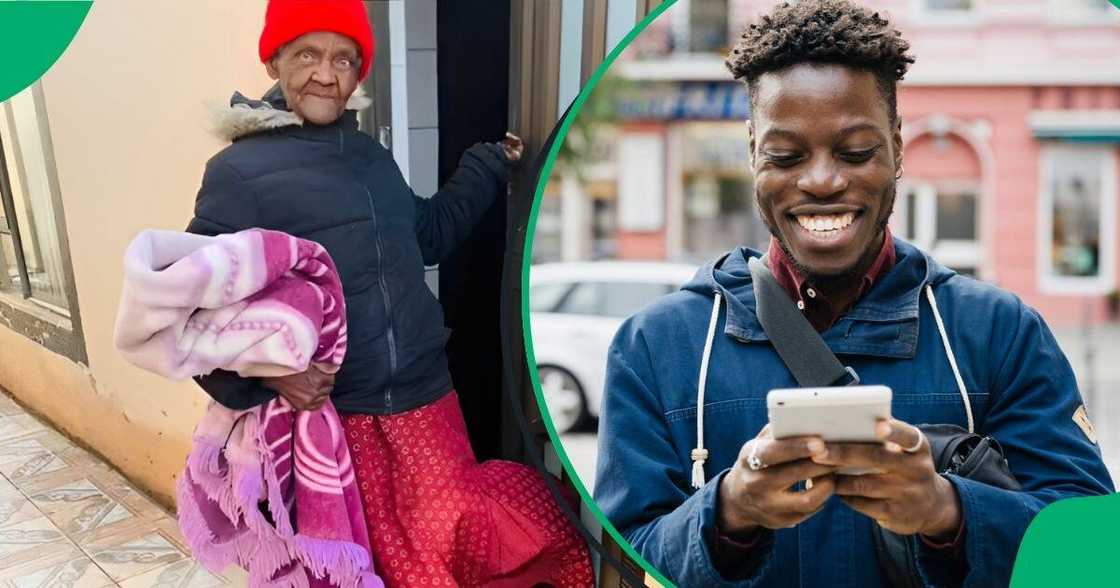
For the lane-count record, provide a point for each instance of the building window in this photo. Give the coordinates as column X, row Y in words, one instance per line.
column 1078, row 220
column 942, row 219
column 948, row 6
column 707, row 26
column 945, row 12
column 35, row 275
column 719, row 210
column 1082, row 12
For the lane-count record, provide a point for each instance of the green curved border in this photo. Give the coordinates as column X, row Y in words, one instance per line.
column 530, row 233
column 1071, row 542
column 37, row 32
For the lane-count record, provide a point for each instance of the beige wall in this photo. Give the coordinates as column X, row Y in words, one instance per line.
column 127, row 107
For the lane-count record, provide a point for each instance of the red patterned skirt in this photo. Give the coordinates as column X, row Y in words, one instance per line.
column 437, row 517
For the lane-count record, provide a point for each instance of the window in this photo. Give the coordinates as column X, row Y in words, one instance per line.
column 34, row 261
column 545, row 297
column 1078, row 220
column 585, row 298
column 942, row 219
column 707, row 26
column 612, row 299
column 626, row 298
column 34, row 268
column 948, row 5
column 945, row 12
column 1082, row 11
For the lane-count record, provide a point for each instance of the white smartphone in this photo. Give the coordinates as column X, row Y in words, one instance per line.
column 841, row 414
column 838, row 414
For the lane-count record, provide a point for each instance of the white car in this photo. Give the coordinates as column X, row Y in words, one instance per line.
column 575, row 310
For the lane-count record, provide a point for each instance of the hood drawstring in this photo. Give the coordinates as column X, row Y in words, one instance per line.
column 952, row 358
column 700, row 455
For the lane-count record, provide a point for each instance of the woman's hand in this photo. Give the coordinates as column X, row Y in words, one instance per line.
column 513, row 147
column 305, row 391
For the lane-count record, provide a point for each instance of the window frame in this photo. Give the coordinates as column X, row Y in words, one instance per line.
column 1105, row 281
column 950, row 252
column 1056, row 16
column 57, row 329
column 922, row 14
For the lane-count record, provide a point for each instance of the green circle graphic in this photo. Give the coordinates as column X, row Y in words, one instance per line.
column 36, row 32
column 1071, row 543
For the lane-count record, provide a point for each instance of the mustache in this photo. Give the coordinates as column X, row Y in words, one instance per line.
column 318, row 89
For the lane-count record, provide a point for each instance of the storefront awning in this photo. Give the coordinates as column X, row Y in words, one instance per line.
column 1076, row 126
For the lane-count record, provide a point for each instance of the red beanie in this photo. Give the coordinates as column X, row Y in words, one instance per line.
column 285, row 20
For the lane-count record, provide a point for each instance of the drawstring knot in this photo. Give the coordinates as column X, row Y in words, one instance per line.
column 699, row 454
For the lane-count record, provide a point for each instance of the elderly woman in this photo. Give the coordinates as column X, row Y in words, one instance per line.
column 298, row 164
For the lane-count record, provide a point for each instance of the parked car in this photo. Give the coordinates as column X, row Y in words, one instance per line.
column 574, row 311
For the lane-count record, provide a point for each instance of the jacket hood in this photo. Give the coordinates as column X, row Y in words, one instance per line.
column 894, row 296
column 244, row 116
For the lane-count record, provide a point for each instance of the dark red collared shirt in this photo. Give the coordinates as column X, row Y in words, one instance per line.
column 821, row 313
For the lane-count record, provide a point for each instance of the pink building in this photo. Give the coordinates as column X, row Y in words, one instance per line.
column 1011, row 118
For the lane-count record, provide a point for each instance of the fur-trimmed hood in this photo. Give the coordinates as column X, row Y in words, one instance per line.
column 244, row 116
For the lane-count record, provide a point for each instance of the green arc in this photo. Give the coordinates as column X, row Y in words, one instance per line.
column 530, row 231
column 37, row 31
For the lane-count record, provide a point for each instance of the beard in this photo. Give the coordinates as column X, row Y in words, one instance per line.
column 845, row 276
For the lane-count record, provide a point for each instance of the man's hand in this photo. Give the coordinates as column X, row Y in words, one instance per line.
column 306, row 391
column 750, row 498
column 513, row 147
column 909, row 496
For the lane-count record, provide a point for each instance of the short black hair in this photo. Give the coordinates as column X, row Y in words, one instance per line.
column 823, row 31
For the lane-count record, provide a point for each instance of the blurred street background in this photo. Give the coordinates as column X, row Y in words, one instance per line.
column 1011, row 118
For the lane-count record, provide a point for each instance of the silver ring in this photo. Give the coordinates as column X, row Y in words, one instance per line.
column 918, row 445
column 753, row 462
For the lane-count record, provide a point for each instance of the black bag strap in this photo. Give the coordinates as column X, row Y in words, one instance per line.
column 799, row 345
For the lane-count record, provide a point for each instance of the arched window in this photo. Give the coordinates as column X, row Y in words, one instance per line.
column 938, row 204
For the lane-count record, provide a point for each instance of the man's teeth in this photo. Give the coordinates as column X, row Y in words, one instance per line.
column 824, row 223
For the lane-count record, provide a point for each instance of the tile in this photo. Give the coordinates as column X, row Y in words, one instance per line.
column 17, row 509
column 119, row 489
column 27, row 535
column 28, row 422
column 26, row 458
column 236, row 576
column 181, row 574
column 33, row 560
column 79, row 572
column 66, row 496
column 76, row 456
column 81, row 508
column 115, row 532
column 7, row 489
column 13, row 426
column 136, row 556
column 9, row 407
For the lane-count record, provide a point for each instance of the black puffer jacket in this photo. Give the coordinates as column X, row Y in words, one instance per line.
column 337, row 186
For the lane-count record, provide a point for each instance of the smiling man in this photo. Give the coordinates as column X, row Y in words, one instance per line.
column 718, row 503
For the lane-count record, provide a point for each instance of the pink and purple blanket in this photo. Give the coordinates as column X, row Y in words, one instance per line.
column 270, row 489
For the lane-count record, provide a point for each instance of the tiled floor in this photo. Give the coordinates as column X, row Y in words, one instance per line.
column 68, row 520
